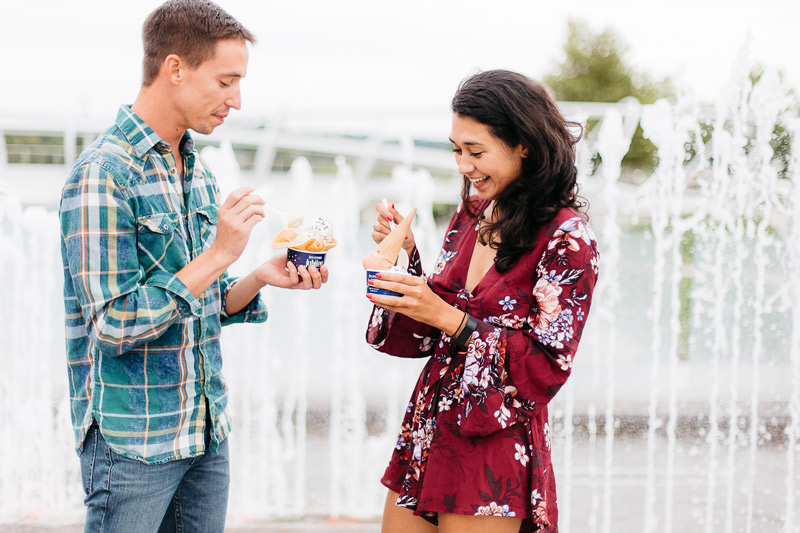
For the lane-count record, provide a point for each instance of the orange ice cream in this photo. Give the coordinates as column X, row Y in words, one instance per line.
column 318, row 237
column 376, row 261
column 385, row 254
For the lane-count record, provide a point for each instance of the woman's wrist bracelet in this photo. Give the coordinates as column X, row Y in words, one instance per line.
column 464, row 335
column 458, row 329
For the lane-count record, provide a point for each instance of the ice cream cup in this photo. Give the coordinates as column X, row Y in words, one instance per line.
column 375, row 290
column 304, row 258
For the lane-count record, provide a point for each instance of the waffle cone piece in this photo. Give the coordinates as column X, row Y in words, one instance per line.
column 389, row 248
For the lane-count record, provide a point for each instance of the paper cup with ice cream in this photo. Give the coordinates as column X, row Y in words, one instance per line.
column 385, row 292
column 384, row 256
column 306, row 247
column 307, row 259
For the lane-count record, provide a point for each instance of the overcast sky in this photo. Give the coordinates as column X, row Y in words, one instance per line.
column 375, row 56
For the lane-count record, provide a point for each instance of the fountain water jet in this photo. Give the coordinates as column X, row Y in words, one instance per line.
column 652, row 397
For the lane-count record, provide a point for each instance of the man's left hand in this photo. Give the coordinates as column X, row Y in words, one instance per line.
column 279, row 272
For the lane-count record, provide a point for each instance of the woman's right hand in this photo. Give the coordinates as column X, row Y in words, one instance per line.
column 381, row 228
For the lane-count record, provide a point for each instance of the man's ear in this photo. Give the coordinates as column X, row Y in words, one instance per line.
column 173, row 67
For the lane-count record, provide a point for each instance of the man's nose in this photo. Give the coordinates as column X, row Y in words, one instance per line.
column 235, row 100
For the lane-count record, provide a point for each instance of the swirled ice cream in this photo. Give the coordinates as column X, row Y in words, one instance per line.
column 316, row 237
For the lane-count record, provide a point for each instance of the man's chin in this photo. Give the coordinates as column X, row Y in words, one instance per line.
column 205, row 129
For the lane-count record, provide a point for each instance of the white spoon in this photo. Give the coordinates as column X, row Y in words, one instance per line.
column 291, row 219
column 402, row 259
column 386, row 205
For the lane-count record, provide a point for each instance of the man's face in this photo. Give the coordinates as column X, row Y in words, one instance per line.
column 208, row 92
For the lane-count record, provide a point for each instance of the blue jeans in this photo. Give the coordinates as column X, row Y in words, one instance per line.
column 125, row 495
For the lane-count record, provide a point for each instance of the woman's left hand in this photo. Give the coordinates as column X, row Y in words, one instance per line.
column 418, row 301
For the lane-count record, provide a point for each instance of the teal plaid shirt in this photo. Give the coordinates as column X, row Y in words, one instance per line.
column 143, row 353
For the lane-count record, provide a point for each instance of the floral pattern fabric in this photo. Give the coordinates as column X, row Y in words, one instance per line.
column 475, row 438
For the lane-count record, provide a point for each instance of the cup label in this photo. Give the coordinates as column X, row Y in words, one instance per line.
column 307, row 259
column 375, row 290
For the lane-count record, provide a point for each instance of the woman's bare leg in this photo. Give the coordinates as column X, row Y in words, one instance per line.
column 401, row 520
column 457, row 523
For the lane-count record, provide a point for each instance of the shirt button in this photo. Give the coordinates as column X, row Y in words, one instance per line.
column 172, row 170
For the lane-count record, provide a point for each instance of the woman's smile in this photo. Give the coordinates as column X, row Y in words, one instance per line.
column 485, row 160
column 478, row 182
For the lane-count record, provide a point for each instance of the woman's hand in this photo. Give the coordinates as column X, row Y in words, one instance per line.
column 418, row 302
column 279, row 272
column 381, row 228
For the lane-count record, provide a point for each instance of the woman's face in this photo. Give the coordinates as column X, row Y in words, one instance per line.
column 489, row 163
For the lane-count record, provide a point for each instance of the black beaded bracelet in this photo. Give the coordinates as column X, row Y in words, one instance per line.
column 463, row 337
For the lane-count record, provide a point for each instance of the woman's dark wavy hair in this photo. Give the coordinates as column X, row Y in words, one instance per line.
column 519, row 110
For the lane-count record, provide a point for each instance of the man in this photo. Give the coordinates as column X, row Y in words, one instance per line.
column 145, row 247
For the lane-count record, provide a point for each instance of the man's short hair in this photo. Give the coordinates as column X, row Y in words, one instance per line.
column 189, row 29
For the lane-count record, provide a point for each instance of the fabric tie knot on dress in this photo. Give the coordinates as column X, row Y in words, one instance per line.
column 463, row 295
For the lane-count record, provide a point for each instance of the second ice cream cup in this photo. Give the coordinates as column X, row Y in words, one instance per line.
column 385, row 292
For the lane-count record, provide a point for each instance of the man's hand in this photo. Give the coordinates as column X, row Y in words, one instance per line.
column 237, row 217
column 279, row 272
column 235, row 220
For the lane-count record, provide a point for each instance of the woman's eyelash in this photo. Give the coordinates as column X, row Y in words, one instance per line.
column 473, row 154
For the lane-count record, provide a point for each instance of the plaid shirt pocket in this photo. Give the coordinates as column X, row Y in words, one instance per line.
column 160, row 246
column 207, row 215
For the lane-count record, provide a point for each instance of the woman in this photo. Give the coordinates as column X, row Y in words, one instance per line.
column 500, row 318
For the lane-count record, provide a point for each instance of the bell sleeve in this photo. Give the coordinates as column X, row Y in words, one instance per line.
column 398, row 335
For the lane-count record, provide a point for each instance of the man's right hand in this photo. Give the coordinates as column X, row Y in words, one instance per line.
column 236, row 219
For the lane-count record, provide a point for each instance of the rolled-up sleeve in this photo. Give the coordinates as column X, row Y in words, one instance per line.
column 253, row 313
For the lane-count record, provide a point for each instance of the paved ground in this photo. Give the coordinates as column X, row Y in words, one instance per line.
column 594, row 499
column 269, row 527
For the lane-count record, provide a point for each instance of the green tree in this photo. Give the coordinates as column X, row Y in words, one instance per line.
column 595, row 71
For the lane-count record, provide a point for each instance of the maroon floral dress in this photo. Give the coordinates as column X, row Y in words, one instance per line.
column 475, row 439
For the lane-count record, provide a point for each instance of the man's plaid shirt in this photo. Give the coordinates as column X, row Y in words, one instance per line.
column 143, row 353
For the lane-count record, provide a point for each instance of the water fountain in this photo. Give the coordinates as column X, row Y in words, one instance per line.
column 690, row 362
